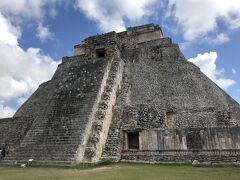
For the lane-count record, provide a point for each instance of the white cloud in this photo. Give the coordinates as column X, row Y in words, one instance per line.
column 21, row 12
column 27, row 8
column 111, row 14
column 225, row 83
column 199, row 17
column 8, row 33
column 6, row 111
column 20, row 71
column 220, row 39
column 207, row 63
column 43, row 33
column 234, row 72
column 213, row 40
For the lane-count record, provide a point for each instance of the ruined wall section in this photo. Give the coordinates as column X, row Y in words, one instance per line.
column 109, row 42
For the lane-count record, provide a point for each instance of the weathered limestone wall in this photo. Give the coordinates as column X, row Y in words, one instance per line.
column 148, row 37
column 131, row 40
column 176, row 88
column 216, row 144
column 164, row 98
column 208, row 157
column 190, row 138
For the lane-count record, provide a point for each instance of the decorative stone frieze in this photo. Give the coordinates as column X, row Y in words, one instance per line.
column 103, row 105
column 90, row 152
column 100, row 115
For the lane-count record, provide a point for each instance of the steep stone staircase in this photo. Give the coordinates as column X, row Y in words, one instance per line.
column 112, row 146
column 104, row 114
column 58, row 136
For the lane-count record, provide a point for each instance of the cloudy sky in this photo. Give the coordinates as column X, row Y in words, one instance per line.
column 35, row 34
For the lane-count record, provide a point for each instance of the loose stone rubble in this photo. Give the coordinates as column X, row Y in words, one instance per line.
column 128, row 96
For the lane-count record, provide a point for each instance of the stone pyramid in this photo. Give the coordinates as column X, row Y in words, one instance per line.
column 128, row 96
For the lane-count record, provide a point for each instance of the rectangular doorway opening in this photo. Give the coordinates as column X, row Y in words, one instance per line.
column 100, row 53
column 133, row 140
column 194, row 140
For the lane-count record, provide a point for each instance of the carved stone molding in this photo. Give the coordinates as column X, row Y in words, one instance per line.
column 105, row 96
column 112, row 74
column 95, row 138
column 103, row 105
column 90, row 152
column 97, row 126
column 100, row 115
column 110, row 82
column 107, row 88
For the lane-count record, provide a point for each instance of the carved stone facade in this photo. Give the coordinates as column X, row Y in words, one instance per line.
column 128, row 96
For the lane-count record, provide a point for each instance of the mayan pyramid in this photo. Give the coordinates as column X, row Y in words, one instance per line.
column 129, row 96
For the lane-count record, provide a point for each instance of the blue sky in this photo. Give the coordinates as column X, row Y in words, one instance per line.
column 35, row 35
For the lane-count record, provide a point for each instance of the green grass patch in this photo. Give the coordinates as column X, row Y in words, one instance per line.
column 121, row 171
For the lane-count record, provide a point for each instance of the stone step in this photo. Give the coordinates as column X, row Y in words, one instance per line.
column 57, row 128
column 49, row 147
column 77, row 131
column 55, row 134
column 58, row 132
column 77, row 118
column 41, row 154
column 80, row 119
column 32, row 143
column 29, row 149
column 41, row 157
column 52, row 137
column 36, row 162
column 26, row 158
column 56, row 143
column 50, row 141
column 54, row 128
column 63, row 146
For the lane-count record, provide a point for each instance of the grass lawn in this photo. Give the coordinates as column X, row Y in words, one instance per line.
column 122, row 171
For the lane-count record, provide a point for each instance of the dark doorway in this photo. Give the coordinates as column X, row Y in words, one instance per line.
column 100, row 53
column 133, row 140
column 194, row 140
